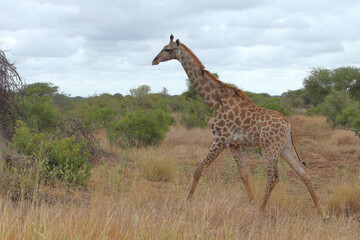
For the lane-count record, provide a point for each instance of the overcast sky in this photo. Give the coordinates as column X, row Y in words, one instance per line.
column 90, row 47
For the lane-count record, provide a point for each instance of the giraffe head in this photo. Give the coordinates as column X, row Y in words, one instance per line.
column 169, row 52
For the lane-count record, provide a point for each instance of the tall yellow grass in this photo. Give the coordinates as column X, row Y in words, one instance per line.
column 123, row 202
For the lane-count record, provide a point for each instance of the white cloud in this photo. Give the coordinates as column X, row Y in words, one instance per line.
column 88, row 47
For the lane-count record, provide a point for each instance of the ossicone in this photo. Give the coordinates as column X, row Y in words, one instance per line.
column 171, row 38
column 178, row 42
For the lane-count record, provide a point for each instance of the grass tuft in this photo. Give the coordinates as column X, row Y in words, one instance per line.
column 344, row 199
column 157, row 169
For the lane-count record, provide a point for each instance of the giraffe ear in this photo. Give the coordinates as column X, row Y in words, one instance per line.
column 171, row 38
column 178, row 42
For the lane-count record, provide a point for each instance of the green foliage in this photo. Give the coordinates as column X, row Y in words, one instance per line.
column 140, row 128
column 322, row 81
column 335, row 103
column 293, row 99
column 40, row 112
column 195, row 114
column 61, row 158
column 266, row 101
column 92, row 116
column 157, row 101
column 317, row 85
column 40, row 89
column 140, row 93
column 312, row 110
column 177, row 103
column 96, row 111
column 350, row 119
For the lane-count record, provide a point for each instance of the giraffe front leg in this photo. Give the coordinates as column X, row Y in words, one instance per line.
column 241, row 166
column 214, row 151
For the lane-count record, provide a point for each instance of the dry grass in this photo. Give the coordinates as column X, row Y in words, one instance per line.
column 156, row 169
column 121, row 203
column 345, row 199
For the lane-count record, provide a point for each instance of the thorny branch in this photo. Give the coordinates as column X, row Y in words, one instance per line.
column 10, row 97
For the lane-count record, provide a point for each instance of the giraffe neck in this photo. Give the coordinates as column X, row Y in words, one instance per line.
column 199, row 77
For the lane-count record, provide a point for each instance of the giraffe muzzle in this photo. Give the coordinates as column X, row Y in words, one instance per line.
column 155, row 61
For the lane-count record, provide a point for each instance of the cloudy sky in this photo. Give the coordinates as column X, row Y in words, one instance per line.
column 90, row 47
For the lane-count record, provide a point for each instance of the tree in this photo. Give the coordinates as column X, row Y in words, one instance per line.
column 293, row 99
column 322, row 81
column 41, row 89
column 140, row 93
column 335, row 103
column 317, row 86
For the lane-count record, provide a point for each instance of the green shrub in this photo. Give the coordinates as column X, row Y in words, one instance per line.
column 335, row 103
column 266, row 101
column 350, row 119
column 42, row 115
column 64, row 159
column 276, row 107
column 92, row 116
column 140, row 128
column 312, row 111
column 196, row 114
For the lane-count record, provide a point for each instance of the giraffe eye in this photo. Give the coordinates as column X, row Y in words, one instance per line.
column 168, row 50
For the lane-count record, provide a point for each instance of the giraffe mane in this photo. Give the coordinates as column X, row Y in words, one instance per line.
column 197, row 60
column 240, row 93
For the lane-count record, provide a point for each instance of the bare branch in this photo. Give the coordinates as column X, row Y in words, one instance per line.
column 10, row 95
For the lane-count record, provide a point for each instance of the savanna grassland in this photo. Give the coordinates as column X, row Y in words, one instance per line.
column 140, row 193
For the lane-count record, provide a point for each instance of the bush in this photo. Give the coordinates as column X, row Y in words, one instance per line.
column 350, row 119
column 42, row 115
column 196, row 114
column 266, row 101
column 64, row 159
column 92, row 116
column 140, row 128
column 335, row 103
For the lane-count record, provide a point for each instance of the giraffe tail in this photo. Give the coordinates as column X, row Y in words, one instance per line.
column 297, row 154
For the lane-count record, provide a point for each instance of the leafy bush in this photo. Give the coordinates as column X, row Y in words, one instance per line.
column 63, row 159
column 196, row 114
column 266, row 101
column 350, row 119
column 335, row 103
column 41, row 114
column 140, row 128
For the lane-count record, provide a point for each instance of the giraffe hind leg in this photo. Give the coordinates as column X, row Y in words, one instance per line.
column 272, row 178
column 290, row 155
column 241, row 166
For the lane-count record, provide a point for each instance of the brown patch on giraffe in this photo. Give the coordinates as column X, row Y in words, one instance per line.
column 238, row 121
column 231, row 101
column 247, row 120
column 221, row 123
column 231, row 116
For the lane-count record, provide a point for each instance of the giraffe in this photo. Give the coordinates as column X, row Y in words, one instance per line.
column 239, row 122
